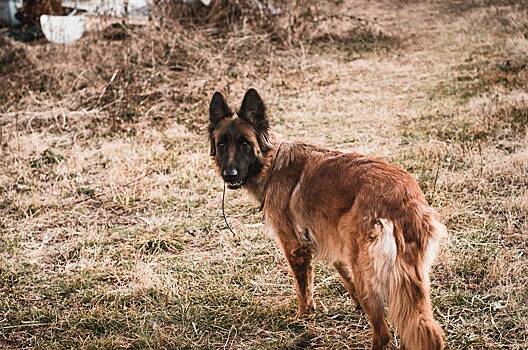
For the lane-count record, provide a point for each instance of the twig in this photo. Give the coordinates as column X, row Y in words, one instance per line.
column 26, row 325
column 26, row 117
column 227, row 343
column 107, row 86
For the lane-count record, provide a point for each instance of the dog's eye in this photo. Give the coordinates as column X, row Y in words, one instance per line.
column 245, row 147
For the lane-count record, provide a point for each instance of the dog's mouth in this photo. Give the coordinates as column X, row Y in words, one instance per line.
column 234, row 185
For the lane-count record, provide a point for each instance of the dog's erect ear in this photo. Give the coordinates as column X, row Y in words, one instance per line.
column 218, row 110
column 253, row 110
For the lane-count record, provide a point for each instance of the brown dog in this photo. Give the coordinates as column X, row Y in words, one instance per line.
column 366, row 217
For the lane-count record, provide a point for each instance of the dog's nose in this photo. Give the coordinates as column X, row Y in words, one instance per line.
column 230, row 174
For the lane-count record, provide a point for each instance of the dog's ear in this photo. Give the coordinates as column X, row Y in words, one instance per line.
column 218, row 110
column 253, row 110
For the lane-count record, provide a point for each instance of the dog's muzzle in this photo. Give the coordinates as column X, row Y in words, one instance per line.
column 231, row 178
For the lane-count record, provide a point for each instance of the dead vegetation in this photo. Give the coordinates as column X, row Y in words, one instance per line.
column 111, row 232
column 167, row 68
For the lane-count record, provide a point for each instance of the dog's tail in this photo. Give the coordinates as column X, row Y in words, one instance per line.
column 407, row 290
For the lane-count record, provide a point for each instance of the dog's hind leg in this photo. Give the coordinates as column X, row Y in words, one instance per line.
column 345, row 274
column 372, row 303
column 372, row 253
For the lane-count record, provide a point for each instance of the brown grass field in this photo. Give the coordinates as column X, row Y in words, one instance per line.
column 111, row 230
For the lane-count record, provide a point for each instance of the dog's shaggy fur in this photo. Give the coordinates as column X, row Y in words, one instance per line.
column 366, row 217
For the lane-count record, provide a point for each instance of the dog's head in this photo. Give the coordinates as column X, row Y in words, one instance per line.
column 239, row 140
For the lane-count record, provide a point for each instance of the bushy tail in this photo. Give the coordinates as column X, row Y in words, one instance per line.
column 409, row 303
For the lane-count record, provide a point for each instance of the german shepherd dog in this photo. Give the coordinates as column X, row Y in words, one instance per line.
column 367, row 218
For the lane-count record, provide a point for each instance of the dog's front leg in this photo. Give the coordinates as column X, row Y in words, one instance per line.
column 299, row 256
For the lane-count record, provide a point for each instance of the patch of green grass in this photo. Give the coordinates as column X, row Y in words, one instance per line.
column 479, row 77
column 46, row 157
column 86, row 191
column 508, row 122
column 156, row 246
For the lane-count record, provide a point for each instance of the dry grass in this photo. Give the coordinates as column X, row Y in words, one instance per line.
column 86, row 262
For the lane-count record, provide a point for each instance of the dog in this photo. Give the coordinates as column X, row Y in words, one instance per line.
column 366, row 217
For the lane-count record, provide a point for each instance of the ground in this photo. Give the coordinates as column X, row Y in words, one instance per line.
column 110, row 208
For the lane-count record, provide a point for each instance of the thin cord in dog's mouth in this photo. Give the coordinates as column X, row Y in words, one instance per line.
column 223, row 211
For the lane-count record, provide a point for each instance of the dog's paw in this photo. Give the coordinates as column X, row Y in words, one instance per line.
column 305, row 311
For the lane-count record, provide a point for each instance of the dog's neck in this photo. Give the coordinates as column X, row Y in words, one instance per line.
column 258, row 185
